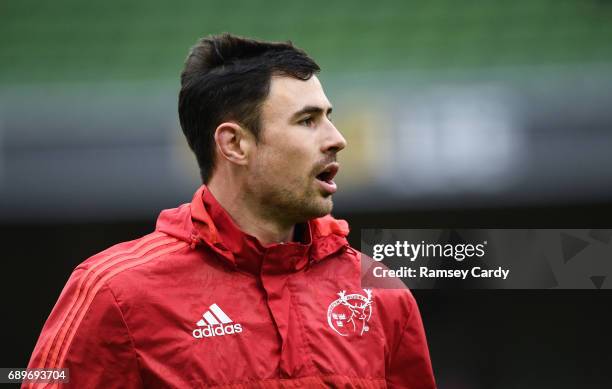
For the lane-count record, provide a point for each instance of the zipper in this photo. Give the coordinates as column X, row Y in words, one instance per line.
column 194, row 241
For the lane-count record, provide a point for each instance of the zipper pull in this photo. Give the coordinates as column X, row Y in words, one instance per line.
column 194, row 241
column 350, row 250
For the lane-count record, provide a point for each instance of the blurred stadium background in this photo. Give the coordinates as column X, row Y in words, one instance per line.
column 471, row 114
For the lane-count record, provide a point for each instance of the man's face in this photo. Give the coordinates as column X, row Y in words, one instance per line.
column 294, row 163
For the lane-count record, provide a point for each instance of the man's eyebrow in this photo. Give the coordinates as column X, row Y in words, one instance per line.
column 311, row 109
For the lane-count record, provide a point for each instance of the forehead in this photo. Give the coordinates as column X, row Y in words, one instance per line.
column 289, row 95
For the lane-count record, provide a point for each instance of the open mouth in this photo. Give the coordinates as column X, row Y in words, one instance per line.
column 328, row 174
column 326, row 177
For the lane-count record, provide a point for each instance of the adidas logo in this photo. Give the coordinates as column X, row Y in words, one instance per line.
column 215, row 322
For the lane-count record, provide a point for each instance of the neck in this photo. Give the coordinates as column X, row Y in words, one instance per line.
column 248, row 216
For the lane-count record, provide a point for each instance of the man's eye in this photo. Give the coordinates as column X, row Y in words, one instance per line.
column 309, row 122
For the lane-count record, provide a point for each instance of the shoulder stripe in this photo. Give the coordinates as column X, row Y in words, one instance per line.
column 84, row 283
column 87, row 295
column 89, row 276
column 124, row 266
column 137, row 244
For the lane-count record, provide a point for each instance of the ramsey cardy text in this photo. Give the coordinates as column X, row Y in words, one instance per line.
column 425, row 272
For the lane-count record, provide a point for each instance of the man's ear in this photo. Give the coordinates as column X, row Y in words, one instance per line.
column 234, row 142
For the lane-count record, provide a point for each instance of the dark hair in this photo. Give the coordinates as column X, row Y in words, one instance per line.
column 227, row 77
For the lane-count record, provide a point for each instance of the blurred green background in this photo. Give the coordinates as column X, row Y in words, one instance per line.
column 63, row 40
column 470, row 103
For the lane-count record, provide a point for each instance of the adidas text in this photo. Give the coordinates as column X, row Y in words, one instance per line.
column 217, row 330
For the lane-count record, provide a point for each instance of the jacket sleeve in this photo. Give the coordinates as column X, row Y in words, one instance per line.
column 409, row 365
column 87, row 334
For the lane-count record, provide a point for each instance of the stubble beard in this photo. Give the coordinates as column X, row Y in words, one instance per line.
column 288, row 202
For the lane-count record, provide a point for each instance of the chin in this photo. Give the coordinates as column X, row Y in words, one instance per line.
column 304, row 207
column 323, row 207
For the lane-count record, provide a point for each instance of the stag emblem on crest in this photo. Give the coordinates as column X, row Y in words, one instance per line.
column 350, row 313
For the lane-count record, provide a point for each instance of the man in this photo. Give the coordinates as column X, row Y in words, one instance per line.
column 253, row 284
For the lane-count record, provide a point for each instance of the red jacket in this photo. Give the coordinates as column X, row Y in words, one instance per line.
column 198, row 303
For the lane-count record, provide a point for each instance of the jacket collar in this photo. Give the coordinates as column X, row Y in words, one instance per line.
column 214, row 227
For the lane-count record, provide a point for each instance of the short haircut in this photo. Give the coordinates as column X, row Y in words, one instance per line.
column 227, row 78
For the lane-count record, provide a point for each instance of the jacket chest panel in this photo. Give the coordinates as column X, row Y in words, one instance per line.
column 217, row 332
column 255, row 333
column 344, row 334
column 326, row 333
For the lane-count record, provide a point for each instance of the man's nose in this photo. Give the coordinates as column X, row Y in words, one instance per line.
column 334, row 141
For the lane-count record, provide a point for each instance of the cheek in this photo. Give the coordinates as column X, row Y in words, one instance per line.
column 289, row 163
column 270, row 169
